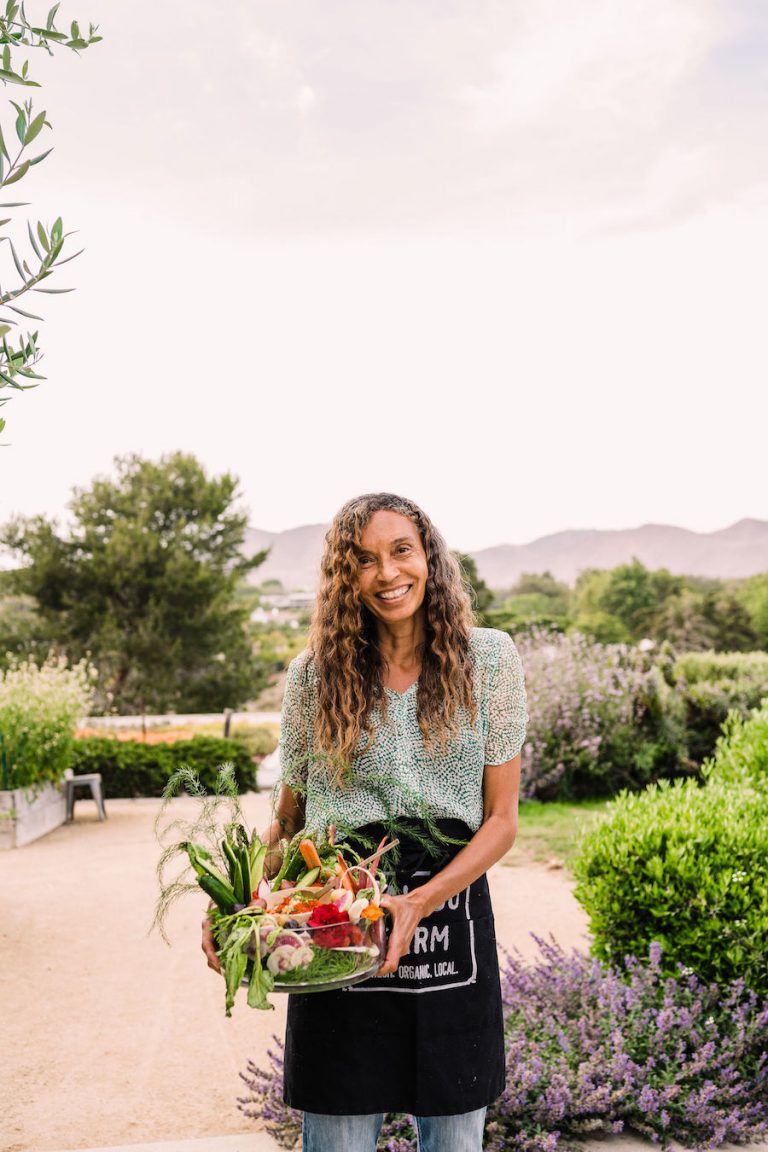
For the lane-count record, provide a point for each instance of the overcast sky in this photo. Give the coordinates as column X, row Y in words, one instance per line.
column 506, row 258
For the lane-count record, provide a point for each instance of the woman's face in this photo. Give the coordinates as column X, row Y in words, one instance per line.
column 392, row 567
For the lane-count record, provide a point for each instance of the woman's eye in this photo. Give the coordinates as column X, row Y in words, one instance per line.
column 404, row 548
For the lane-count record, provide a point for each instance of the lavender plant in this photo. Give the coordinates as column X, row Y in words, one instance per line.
column 591, row 1048
column 602, row 718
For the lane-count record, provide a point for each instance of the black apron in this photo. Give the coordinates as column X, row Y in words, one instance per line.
column 427, row 1040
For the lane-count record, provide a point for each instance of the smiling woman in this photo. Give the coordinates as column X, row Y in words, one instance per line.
column 402, row 718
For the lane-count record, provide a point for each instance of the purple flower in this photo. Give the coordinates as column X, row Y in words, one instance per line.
column 620, row 1048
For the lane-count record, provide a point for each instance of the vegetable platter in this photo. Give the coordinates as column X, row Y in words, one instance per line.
column 316, row 926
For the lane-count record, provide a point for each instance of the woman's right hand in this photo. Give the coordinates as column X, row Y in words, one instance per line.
column 209, row 945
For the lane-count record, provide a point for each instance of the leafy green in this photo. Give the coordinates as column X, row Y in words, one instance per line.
column 327, row 964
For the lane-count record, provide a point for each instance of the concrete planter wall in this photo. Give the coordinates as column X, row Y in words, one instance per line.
column 27, row 814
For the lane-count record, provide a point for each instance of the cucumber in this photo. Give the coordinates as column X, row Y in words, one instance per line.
column 308, row 878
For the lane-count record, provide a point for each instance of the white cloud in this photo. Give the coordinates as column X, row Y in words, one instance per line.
column 306, row 98
column 594, row 58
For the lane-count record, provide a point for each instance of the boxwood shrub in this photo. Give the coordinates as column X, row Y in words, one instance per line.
column 741, row 753
column 130, row 768
column 685, row 865
column 712, row 684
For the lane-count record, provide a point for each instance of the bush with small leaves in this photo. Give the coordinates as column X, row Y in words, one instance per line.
column 130, row 768
column 741, row 754
column 686, row 865
column 710, row 685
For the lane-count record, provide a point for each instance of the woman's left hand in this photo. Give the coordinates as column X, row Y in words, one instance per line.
column 406, row 912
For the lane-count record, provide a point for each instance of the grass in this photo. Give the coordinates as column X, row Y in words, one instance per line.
column 551, row 830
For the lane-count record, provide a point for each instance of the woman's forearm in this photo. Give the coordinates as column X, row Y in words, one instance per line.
column 288, row 820
column 493, row 839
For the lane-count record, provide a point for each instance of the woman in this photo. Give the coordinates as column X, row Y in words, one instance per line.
column 401, row 716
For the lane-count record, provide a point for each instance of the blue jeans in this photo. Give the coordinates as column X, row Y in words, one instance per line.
column 463, row 1133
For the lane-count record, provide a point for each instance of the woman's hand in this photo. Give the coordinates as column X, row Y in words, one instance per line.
column 406, row 912
column 209, row 944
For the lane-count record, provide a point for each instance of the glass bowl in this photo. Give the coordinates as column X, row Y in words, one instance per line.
column 321, row 958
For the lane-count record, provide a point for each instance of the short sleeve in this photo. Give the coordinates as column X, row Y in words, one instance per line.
column 507, row 709
column 296, row 725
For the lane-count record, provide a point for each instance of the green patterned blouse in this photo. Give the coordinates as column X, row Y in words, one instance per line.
column 395, row 775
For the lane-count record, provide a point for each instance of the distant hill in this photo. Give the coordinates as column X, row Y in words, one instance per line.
column 738, row 551
column 294, row 558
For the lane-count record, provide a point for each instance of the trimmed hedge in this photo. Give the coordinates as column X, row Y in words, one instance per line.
column 698, row 666
column 741, row 755
column 685, row 865
column 712, row 684
column 130, row 768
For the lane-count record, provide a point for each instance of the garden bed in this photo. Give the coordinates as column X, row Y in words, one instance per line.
column 26, row 814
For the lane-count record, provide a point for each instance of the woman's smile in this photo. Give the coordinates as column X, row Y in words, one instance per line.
column 395, row 593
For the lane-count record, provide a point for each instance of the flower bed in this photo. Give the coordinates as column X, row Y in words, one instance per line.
column 27, row 814
column 39, row 707
column 594, row 1049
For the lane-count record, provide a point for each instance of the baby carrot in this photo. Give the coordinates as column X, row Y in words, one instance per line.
column 309, row 854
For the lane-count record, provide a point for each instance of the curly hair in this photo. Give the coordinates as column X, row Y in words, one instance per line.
column 343, row 639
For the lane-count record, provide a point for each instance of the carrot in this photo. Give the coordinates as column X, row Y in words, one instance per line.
column 309, row 854
column 346, row 877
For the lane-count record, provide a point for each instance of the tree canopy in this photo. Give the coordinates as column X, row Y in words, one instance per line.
column 144, row 583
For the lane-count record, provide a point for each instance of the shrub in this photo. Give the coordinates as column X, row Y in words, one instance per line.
column 695, row 667
column 39, row 710
column 602, row 718
column 591, row 1048
column 685, row 865
column 741, row 753
column 712, row 684
column 129, row 768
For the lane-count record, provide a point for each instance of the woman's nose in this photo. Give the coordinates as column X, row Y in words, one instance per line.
column 389, row 569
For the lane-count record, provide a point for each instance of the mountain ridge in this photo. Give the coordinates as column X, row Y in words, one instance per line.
column 736, row 551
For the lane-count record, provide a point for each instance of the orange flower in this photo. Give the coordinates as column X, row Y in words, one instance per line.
column 372, row 912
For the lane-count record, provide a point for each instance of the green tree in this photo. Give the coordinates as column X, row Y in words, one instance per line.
column 636, row 596
column 20, row 356
column 753, row 594
column 685, row 624
column 482, row 596
column 144, row 582
column 541, row 584
column 588, row 612
column 730, row 622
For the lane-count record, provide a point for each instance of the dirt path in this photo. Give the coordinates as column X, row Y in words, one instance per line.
column 110, row 1037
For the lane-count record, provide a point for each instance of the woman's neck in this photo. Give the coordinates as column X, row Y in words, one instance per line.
column 401, row 643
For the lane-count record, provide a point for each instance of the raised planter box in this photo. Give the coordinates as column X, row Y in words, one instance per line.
column 26, row 814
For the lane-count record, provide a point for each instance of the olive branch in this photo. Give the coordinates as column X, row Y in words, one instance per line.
column 19, row 352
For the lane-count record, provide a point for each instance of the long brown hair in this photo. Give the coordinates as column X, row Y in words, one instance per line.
column 343, row 639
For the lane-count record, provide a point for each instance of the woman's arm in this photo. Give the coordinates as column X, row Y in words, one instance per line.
column 289, row 818
column 493, row 839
